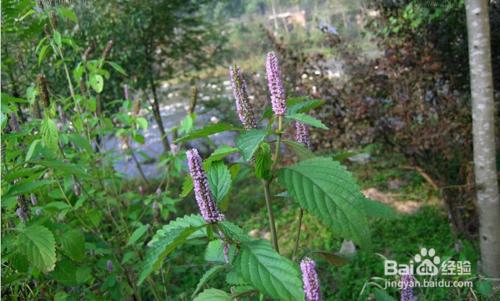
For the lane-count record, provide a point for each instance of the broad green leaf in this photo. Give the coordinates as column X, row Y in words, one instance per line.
column 50, row 135
column 142, row 123
column 207, row 131
column 211, row 273
column 187, row 124
column 65, row 272
column 96, row 82
column 271, row 273
column 219, row 180
column 81, row 142
column 213, row 294
column 233, row 232
column 307, row 119
column 299, row 149
column 263, row 162
column 64, row 168
column 73, row 244
column 220, row 153
column 378, row 209
column 37, row 243
column 304, row 106
column 137, row 234
column 326, row 189
column 215, row 252
column 57, row 38
column 168, row 239
column 249, row 141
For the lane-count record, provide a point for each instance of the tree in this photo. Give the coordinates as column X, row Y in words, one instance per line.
column 483, row 110
column 153, row 40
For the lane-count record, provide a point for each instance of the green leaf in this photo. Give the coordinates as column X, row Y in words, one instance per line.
column 118, row 68
column 168, row 239
column 213, row 294
column 211, row 273
column 215, row 251
column 302, row 106
column 187, row 186
column 97, row 82
column 484, row 287
column 269, row 272
column 81, row 142
column 73, row 244
column 249, row 141
column 220, row 153
column 42, row 53
column 306, row 119
column 65, row 273
column 207, row 131
column 299, row 149
column 67, row 13
column 32, row 148
column 137, row 234
column 142, row 123
column 263, row 162
column 64, row 168
column 219, row 180
column 50, row 135
column 27, row 187
column 37, row 243
column 57, row 38
column 186, row 125
column 378, row 209
column 233, row 232
column 327, row 190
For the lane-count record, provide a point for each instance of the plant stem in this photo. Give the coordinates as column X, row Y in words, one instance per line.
column 270, row 214
column 297, row 240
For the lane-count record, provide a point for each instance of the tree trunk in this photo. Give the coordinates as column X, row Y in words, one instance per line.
column 483, row 110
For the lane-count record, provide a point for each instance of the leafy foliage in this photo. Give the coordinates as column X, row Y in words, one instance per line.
column 327, row 190
column 37, row 243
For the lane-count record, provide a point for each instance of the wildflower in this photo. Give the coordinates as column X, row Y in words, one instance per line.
column 33, row 199
column 21, row 213
column 407, row 287
column 109, row 265
column 302, row 134
column 275, row 84
column 310, row 279
column 204, row 197
column 243, row 107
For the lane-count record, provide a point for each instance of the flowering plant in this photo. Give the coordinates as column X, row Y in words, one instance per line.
column 320, row 185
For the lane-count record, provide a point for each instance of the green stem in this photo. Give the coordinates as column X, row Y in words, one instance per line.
column 297, row 239
column 270, row 215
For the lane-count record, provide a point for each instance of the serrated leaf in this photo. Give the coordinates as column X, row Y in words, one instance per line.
column 269, row 272
column 220, row 153
column 168, row 239
column 233, row 232
column 65, row 273
column 219, row 180
column 206, row 277
column 215, row 252
column 307, row 119
column 327, row 190
column 73, row 244
column 137, row 234
column 207, row 131
column 249, row 141
column 303, row 105
column 37, row 243
column 213, row 294
column 263, row 162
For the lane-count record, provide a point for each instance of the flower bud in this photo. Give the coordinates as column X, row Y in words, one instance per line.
column 275, row 84
column 243, row 107
column 203, row 195
column 310, row 279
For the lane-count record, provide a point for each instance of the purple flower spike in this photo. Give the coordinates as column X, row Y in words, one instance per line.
column 243, row 107
column 34, row 201
column 206, row 203
column 407, row 288
column 302, row 134
column 109, row 266
column 310, row 279
column 275, row 84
